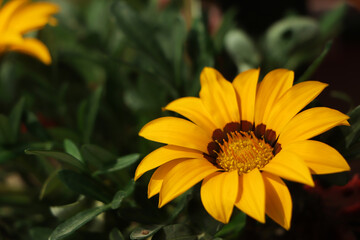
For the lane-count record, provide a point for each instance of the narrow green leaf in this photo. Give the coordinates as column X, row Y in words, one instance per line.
column 77, row 221
column 96, row 156
column 83, row 184
column 120, row 195
column 332, row 20
column 40, row 233
column 116, row 202
column 63, row 212
column 175, row 232
column 121, row 163
column 354, row 135
column 311, row 69
column 236, row 224
column 60, row 156
column 130, row 21
column 115, row 234
column 145, row 232
column 92, row 108
column 72, row 149
column 15, row 118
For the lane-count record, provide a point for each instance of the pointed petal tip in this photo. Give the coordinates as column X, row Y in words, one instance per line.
column 310, row 182
column 286, row 226
column 345, row 123
column 137, row 175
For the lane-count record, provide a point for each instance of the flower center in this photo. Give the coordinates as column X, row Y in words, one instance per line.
column 243, row 152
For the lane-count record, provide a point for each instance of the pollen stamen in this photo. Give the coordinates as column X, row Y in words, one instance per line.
column 243, row 151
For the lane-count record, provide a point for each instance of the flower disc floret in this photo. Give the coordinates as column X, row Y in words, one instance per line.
column 244, row 152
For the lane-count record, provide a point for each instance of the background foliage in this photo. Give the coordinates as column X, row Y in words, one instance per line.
column 68, row 132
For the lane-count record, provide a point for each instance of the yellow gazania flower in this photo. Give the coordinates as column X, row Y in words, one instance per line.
column 18, row 17
column 241, row 138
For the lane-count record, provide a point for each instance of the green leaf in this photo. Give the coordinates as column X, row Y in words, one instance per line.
column 311, row 69
column 236, row 224
column 77, row 221
column 242, row 50
column 120, row 195
column 72, row 149
column 175, row 232
column 60, row 156
column 83, row 184
column 64, row 212
column 40, row 233
column 290, row 41
column 116, row 202
column 55, row 191
column 14, row 120
column 115, row 234
column 145, row 232
column 332, row 20
column 96, row 155
column 92, row 110
column 121, row 163
column 130, row 23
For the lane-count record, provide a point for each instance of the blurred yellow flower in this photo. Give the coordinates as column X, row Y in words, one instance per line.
column 18, row 17
column 242, row 138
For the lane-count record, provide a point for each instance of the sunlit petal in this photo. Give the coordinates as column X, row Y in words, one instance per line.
column 292, row 102
column 310, row 123
column 8, row 10
column 319, row 157
column 274, row 85
column 251, row 197
column 219, row 97
column 159, row 175
column 39, row 13
column 245, row 85
column 34, row 48
column 182, row 177
column 176, row 131
column 163, row 155
column 278, row 200
column 289, row 166
column 193, row 109
column 218, row 194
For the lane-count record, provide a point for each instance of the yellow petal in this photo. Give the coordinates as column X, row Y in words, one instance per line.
column 159, row 175
column 193, row 109
column 295, row 99
column 245, row 85
column 8, row 10
column 219, row 97
column 34, row 48
column 274, row 85
column 310, row 123
column 251, row 197
column 176, row 131
column 32, row 16
column 218, row 194
column 10, row 38
column 182, row 177
column 163, row 155
column 278, row 200
column 318, row 156
column 288, row 165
